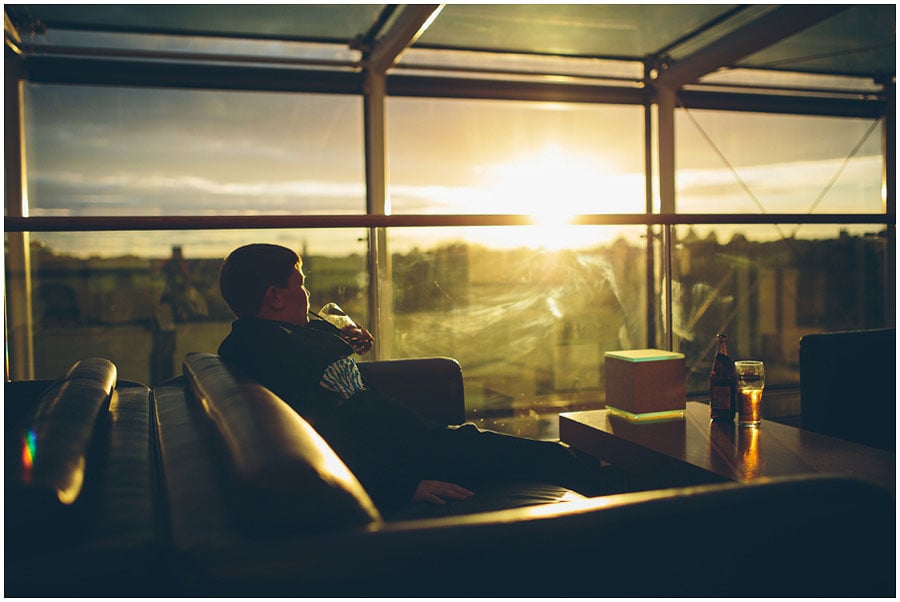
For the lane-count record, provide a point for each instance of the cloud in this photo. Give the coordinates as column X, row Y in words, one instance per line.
column 179, row 195
column 784, row 187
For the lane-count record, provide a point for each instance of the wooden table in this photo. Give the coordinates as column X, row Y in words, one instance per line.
column 695, row 450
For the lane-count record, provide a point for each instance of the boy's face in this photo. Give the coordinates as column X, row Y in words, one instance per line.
column 295, row 298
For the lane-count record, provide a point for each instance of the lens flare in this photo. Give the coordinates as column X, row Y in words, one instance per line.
column 29, row 450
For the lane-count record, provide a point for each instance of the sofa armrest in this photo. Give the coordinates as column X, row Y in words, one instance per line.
column 432, row 386
column 55, row 439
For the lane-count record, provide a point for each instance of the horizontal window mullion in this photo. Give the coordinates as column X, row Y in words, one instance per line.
column 160, row 74
column 228, row 222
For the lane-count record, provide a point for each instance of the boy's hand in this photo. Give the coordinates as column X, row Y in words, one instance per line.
column 358, row 337
column 437, row 492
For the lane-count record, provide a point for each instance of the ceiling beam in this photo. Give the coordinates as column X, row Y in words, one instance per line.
column 411, row 22
column 761, row 33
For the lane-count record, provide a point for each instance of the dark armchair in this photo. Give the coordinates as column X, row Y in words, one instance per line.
column 848, row 385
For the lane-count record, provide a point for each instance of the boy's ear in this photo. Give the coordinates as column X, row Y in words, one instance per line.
column 272, row 299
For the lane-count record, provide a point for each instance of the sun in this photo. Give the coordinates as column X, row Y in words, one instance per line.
column 551, row 184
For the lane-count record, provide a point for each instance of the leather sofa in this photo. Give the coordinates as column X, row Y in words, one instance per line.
column 210, row 485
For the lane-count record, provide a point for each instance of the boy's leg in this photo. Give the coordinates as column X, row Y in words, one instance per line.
column 465, row 454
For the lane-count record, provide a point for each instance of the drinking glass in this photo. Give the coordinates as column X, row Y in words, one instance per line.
column 332, row 312
column 359, row 338
column 751, row 380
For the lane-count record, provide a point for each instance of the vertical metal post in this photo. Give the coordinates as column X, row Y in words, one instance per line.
column 380, row 289
column 889, row 181
column 411, row 20
column 19, row 333
column 651, row 303
column 666, row 124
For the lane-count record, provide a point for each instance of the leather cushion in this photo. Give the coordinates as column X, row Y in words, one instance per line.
column 127, row 512
column 285, row 476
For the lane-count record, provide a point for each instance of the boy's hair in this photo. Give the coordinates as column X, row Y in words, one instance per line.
column 249, row 271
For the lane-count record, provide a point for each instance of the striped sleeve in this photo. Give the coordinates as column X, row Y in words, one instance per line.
column 343, row 377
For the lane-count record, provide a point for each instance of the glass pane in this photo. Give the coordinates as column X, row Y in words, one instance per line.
column 766, row 292
column 215, row 48
column 128, row 300
column 730, row 162
column 529, row 322
column 128, row 151
column 858, row 38
column 338, row 22
column 546, row 159
column 517, row 66
column 632, row 30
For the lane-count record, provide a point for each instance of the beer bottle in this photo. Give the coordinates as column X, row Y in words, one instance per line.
column 721, row 383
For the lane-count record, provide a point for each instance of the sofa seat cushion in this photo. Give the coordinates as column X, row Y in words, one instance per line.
column 283, row 476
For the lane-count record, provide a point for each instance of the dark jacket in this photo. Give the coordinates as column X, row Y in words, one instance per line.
column 374, row 435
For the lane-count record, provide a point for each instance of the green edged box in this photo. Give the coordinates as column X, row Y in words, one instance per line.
column 645, row 384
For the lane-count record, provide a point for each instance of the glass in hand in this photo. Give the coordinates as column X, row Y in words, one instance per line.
column 358, row 337
column 332, row 312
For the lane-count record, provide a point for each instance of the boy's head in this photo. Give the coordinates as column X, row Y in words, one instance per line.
column 264, row 280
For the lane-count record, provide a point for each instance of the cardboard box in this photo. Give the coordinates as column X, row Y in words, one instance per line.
column 646, row 382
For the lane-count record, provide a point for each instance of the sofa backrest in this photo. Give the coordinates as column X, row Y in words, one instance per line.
column 283, row 476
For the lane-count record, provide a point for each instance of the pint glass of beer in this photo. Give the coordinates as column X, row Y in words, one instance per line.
column 751, row 380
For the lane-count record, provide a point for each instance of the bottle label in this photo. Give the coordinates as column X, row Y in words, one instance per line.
column 720, row 398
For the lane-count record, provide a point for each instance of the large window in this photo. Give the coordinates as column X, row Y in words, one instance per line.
column 768, row 285
column 529, row 311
